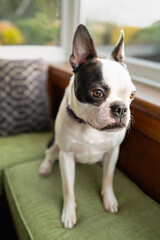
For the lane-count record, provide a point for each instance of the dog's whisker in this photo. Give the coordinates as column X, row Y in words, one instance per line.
column 132, row 119
column 131, row 122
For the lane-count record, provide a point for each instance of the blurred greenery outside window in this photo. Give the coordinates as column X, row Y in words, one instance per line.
column 30, row 22
column 140, row 21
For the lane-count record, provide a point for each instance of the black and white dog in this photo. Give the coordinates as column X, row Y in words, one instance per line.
column 92, row 119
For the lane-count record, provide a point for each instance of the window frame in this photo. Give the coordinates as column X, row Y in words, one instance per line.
column 144, row 71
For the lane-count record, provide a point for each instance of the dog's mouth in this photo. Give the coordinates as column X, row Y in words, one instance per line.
column 111, row 127
column 114, row 127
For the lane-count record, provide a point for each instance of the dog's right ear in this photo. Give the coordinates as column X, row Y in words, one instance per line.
column 83, row 47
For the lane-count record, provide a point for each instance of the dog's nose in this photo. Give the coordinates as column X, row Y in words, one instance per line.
column 119, row 109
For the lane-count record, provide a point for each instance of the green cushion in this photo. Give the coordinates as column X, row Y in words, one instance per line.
column 36, row 204
column 21, row 148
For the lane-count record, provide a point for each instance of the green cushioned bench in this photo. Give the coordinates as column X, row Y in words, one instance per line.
column 21, row 148
column 36, row 204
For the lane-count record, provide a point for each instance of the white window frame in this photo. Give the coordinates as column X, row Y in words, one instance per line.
column 73, row 14
column 144, row 71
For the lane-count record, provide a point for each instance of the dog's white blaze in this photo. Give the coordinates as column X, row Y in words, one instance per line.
column 118, row 78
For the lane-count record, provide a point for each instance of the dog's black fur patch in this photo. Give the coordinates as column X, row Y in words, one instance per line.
column 87, row 77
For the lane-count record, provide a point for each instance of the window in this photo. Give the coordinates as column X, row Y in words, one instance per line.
column 30, row 22
column 140, row 21
column 58, row 20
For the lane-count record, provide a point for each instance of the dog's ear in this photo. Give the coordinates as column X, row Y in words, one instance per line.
column 118, row 52
column 83, row 47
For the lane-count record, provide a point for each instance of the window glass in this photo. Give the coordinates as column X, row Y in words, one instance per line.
column 30, row 22
column 140, row 21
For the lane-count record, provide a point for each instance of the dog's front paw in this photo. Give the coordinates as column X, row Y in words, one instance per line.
column 46, row 167
column 68, row 218
column 110, row 203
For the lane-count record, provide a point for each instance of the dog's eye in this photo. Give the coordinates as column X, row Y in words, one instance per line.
column 97, row 93
column 132, row 95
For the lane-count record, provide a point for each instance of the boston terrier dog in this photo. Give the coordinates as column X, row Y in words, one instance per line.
column 92, row 119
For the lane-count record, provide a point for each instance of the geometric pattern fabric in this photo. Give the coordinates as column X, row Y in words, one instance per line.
column 24, row 105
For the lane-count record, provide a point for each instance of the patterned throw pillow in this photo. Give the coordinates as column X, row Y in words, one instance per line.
column 23, row 97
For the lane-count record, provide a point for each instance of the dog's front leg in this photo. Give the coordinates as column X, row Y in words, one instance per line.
column 67, row 167
column 109, row 200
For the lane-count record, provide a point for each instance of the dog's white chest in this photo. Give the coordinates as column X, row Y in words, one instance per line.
column 90, row 146
column 90, row 159
column 87, row 152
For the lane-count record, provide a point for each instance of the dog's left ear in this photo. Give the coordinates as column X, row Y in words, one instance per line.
column 118, row 52
column 83, row 47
